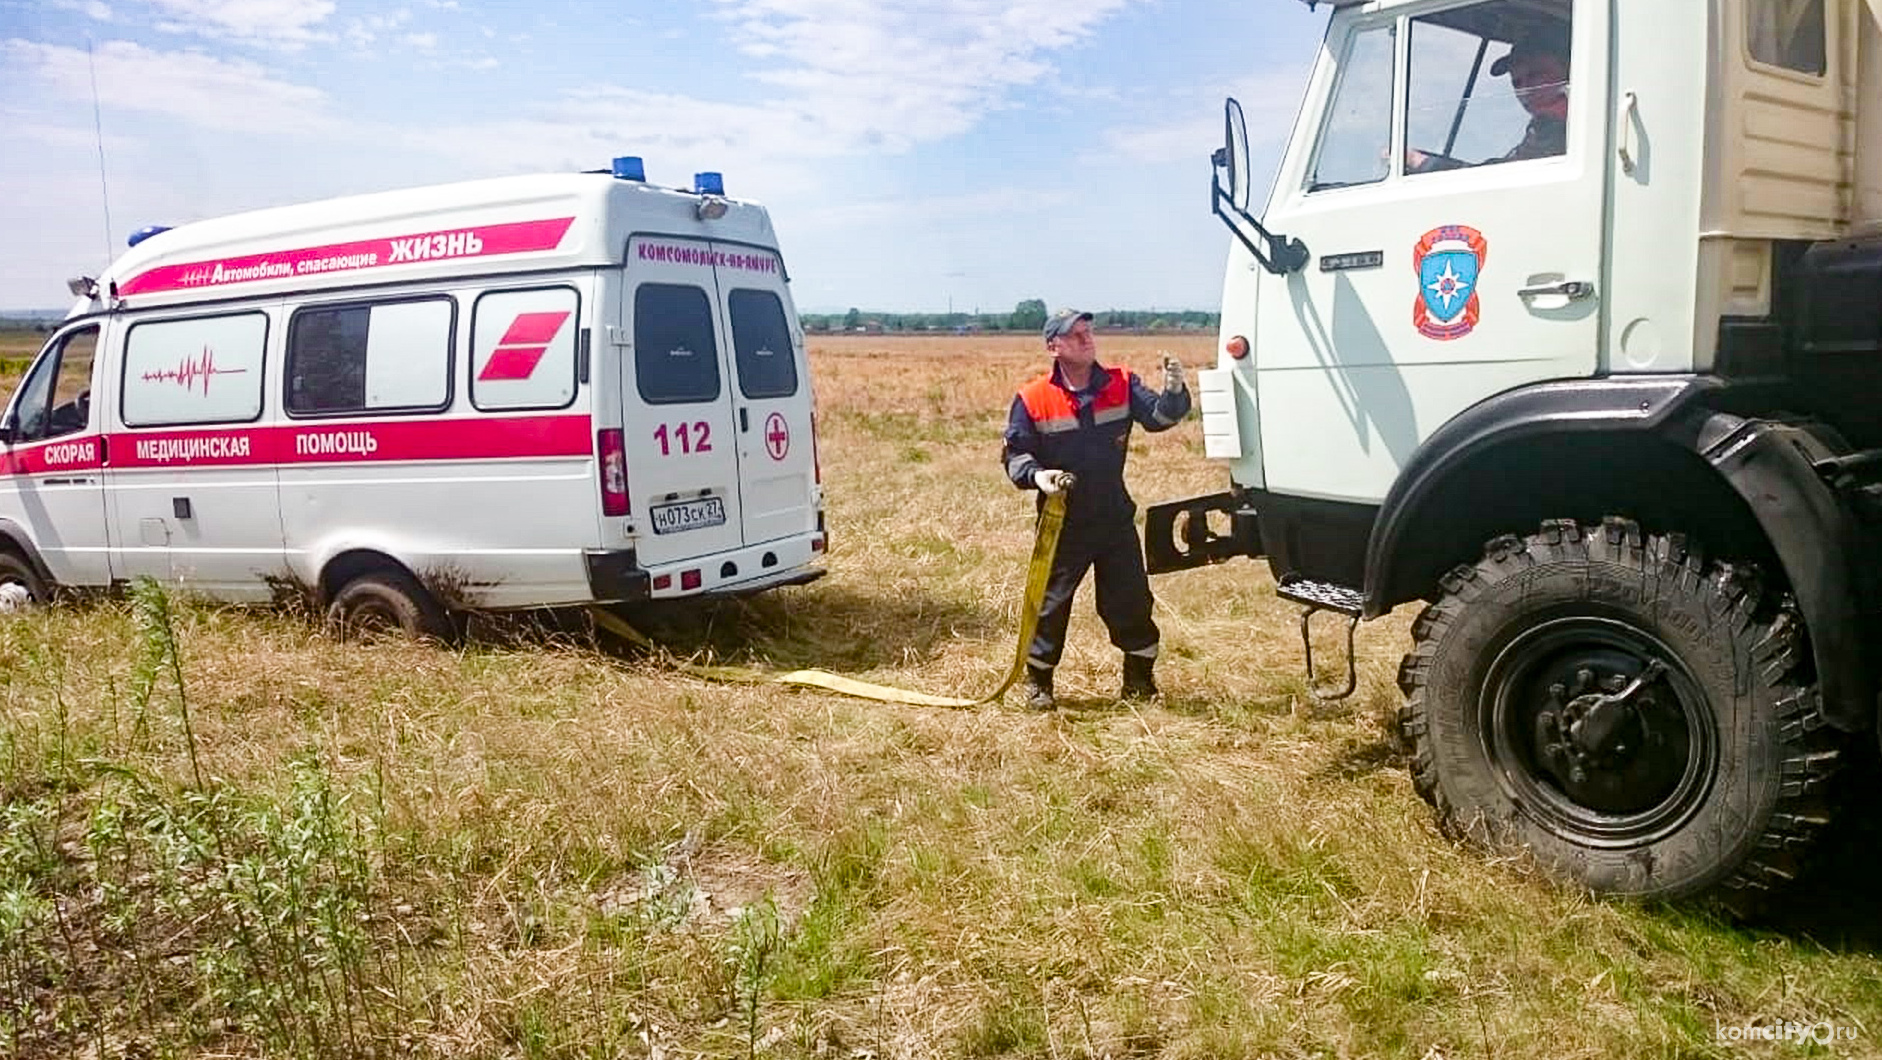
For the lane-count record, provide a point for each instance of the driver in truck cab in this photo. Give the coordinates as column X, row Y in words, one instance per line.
column 1537, row 66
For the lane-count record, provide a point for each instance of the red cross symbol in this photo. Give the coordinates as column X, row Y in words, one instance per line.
column 777, row 436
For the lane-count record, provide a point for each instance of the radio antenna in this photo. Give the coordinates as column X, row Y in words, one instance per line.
column 98, row 128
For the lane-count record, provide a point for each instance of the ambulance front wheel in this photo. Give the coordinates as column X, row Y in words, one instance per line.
column 386, row 603
column 21, row 587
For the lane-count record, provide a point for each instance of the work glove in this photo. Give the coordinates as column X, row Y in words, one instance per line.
column 1174, row 381
column 1051, row 481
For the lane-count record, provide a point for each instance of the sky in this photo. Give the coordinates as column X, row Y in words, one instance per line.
column 916, row 156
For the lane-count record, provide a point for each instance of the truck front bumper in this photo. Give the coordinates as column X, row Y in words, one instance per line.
column 1200, row 531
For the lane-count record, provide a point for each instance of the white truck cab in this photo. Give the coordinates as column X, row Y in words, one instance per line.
column 542, row 390
column 1565, row 317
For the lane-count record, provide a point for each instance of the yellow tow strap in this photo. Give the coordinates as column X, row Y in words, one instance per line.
column 1045, row 544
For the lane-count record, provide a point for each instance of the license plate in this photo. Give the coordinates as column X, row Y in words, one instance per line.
column 688, row 515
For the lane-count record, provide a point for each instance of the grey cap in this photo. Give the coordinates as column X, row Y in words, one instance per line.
column 1550, row 38
column 1061, row 322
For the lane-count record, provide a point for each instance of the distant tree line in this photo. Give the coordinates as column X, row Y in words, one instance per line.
column 1029, row 315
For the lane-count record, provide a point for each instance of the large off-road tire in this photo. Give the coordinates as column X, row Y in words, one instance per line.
column 21, row 587
column 1712, row 778
column 387, row 602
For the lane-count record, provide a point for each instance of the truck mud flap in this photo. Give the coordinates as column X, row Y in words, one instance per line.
column 1199, row 531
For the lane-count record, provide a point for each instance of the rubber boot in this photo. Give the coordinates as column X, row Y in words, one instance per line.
column 1138, row 684
column 1039, row 689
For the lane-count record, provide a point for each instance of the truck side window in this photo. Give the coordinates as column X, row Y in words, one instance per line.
column 1488, row 83
column 55, row 398
column 371, row 358
column 195, row 370
column 676, row 358
column 1356, row 141
column 761, row 336
column 1788, row 33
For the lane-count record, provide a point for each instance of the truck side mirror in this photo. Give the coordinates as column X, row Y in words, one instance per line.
column 8, row 431
column 1232, row 156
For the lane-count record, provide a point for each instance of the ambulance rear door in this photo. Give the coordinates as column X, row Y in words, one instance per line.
column 772, row 394
column 677, row 391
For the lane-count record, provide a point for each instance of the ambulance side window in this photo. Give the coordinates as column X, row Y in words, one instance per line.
column 761, row 337
column 676, row 358
column 389, row 356
column 55, row 399
column 198, row 370
column 1788, row 33
column 523, row 348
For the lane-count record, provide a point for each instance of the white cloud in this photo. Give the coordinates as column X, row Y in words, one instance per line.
column 886, row 76
column 92, row 9
column 674, row 133
column 422, row 41
column 365, row 32
column 933, row 210
column 229, row 95
column 1191, row 125
column 848, row 77
column 269, row 23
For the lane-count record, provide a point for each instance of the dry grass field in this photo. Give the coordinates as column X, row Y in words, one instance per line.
column 16, row 351
column 226, row 835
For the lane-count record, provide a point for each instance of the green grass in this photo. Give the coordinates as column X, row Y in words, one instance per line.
column 223, row 834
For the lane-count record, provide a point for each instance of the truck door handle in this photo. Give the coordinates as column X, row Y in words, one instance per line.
column 1569, row 289
column 1630, row 114
column 744, row 422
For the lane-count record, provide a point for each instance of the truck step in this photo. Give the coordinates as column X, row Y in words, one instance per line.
column 1321, row 596
column 1316, row 596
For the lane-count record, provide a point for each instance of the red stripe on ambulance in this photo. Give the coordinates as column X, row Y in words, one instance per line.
column 82, row 453
column 482, row 241
column 514, row 437
column 522, row 346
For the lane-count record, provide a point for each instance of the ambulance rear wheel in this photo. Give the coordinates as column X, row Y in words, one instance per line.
column 21, row 587
column 1640, row 719
column 387, row 603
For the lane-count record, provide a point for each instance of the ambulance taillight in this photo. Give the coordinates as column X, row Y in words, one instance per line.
column 611, row 444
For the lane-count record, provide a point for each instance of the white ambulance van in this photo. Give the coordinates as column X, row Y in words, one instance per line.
column 522, row 392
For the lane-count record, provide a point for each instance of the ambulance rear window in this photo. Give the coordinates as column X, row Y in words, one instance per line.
column 767, row 365
column 676, row 358
column 371, row 358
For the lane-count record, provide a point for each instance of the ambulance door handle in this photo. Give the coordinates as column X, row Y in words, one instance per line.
column 744, row 421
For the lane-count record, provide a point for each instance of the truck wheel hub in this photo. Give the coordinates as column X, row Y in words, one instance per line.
column 1599, row 736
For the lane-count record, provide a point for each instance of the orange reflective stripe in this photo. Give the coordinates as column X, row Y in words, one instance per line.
column 1047, row 402
column 1054, row 410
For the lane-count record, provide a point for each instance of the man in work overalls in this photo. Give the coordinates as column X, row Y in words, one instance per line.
column 1077, row 420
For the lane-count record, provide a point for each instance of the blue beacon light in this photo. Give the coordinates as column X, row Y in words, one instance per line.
column 146, row 232
column 708, row 184
column 629, row 167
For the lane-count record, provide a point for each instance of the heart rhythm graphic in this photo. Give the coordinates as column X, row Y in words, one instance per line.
column 190, row 370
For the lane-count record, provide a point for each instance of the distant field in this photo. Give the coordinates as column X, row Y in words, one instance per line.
column 529, row 847
column 16, row 351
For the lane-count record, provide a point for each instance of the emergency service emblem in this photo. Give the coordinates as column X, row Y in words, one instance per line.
column 1448, row 261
